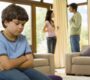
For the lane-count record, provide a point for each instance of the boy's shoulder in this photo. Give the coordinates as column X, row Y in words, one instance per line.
column 2, row 38
column 1, row 35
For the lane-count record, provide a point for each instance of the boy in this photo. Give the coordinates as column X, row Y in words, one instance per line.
column 16, row 60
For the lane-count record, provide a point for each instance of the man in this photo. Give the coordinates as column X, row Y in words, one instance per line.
column 75, row 28
column 16, row 60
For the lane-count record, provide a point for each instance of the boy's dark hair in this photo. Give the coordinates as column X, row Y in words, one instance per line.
column 14, row 12
column 48, row 15
column 74, row 6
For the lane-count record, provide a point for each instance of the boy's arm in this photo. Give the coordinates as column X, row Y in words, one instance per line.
column 7, row 63
column 28, row 63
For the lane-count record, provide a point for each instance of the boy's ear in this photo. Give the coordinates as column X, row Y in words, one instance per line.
column 5, row 22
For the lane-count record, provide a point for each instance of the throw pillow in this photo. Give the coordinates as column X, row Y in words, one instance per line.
column 55, row 77
column 86, row 51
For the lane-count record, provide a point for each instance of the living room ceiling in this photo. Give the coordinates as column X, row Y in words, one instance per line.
column 28, row 2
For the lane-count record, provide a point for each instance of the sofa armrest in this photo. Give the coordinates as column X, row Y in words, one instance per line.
column 68, row 61
column 50, row 58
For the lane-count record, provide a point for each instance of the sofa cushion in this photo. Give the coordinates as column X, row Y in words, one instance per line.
column 40, row 62
column 81, row 60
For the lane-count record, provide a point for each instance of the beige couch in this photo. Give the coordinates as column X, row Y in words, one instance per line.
column 76, row 64
column 44, row 63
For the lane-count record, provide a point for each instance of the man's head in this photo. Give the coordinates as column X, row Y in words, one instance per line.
column 73, row 7
column 13, row 12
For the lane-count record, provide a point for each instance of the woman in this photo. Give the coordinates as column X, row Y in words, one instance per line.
column 49, row 28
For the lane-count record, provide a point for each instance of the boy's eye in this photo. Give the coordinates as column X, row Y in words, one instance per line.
column 17, row 23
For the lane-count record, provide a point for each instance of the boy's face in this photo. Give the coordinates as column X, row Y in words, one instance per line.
column 15, row 26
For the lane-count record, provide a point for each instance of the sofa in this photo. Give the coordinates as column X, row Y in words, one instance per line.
column 77, row 64
column 44, row 63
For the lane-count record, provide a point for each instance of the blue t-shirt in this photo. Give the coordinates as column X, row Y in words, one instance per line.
column 14, row 49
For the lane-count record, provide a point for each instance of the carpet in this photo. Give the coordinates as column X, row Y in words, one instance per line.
column 61, row 72
column 71, row 77
column 75, row 77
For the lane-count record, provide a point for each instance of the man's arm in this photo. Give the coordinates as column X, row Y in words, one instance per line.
column 29, row 62
column 7, row 63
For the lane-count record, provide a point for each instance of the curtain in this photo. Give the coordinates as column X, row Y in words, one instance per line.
column 89, row 19
column 60, row 11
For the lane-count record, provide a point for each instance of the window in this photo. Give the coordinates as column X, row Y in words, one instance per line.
column 40, row 20
column 76, row 1
column 84, row 29
column 48, row 1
